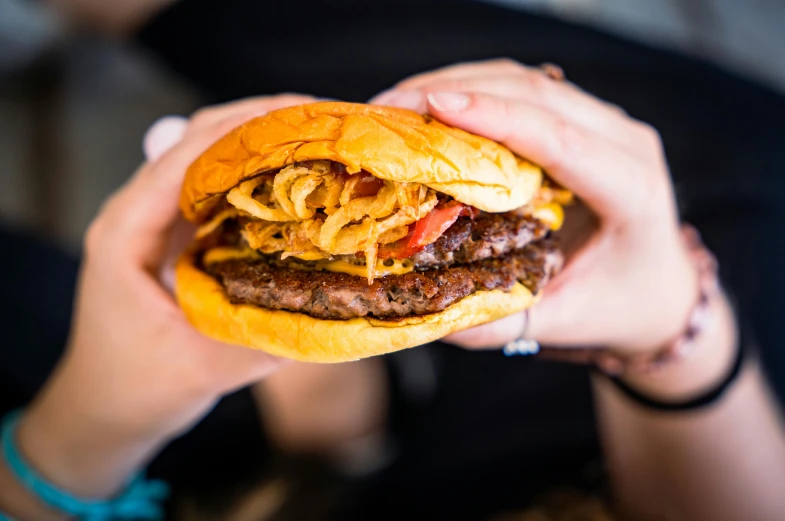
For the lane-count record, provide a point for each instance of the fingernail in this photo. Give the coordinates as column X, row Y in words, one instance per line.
column 163, row 135
column 448, row 101
column 404, row 99
column 167, row 278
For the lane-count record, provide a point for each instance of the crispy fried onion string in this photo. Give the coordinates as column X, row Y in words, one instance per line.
column 348, row 223
column 211, row 225
column 240, row 198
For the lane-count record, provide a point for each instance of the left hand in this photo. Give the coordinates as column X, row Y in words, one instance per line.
column 136, row 373
column 631, row 285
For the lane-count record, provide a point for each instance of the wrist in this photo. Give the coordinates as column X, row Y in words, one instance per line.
column 78, row 444
column 712, row 355
column 139, row 498
column 20, row 503
column 665, row 312
column 85, row 458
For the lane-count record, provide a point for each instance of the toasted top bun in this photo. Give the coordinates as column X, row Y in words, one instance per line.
column 301, row 337
column 390, row 143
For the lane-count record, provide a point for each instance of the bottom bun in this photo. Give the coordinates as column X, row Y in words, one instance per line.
column 301, row 337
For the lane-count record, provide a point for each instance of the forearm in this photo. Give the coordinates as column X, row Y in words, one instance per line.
column 19, row 503
column 324, row 408
column 92, row 465
column 76, row 448
column 726, row 462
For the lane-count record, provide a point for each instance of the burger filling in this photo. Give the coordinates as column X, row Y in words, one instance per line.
column 312, row 238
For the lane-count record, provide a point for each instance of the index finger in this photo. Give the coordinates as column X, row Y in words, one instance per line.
column 616, row 185
column 515, row 81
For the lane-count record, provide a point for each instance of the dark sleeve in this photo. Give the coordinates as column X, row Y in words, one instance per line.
column 338, row 49
column 37, row 283
column 729, row 169
column 205, row 43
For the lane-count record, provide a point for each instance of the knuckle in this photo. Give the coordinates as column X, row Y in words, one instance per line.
column 96, row 233
column 566, row 139
column 648, row 134
column 453, row 85
column 93, row 239
column 204, row 116
column 511, row 115
column 100, row 238
column 538, row 81
column 616, row 109
column 646, row 203
column 506, row 63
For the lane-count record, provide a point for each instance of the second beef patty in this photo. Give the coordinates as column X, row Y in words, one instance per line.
column 330, row 295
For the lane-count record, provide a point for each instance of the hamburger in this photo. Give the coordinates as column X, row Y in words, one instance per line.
column 333, row 231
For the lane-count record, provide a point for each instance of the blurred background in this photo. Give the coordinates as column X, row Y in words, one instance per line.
column 74, row 104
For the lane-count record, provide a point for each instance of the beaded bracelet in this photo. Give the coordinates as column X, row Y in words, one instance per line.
column 614, row 365
column 142, row 499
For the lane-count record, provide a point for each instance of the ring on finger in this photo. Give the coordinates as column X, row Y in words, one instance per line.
column 522, row 345
column 553, row 71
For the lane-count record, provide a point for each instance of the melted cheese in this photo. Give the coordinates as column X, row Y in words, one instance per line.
column 309, row 256
column 398, row 267
column 225, row 253
column 552, row 214
column 210, row 226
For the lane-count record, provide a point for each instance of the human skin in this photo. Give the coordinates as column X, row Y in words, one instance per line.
column 135, row 373
column 630, row 287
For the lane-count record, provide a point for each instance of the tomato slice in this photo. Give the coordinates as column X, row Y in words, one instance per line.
column 426, row 231
column 433, row 225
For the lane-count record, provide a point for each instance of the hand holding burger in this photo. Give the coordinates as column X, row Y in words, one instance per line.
column 334, row 231
column 631, row 285
column 135, row 373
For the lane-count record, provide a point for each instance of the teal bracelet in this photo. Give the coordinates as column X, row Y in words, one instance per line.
column 142, row 499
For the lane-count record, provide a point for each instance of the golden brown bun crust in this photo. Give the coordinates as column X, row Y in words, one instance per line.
column 300, row 337
column 394, row 144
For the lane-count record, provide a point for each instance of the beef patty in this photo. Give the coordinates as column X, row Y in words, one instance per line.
column 330, row 295
column 486, row 236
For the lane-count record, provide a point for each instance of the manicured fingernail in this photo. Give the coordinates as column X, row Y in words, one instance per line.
column 405, row 99
column 167, row 278
column 163, row 135
column 448, row 101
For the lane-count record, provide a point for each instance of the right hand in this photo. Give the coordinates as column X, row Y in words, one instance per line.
column 631, row 285
column 136, row 373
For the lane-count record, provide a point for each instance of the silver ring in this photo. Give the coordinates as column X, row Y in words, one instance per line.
column 522, row 345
